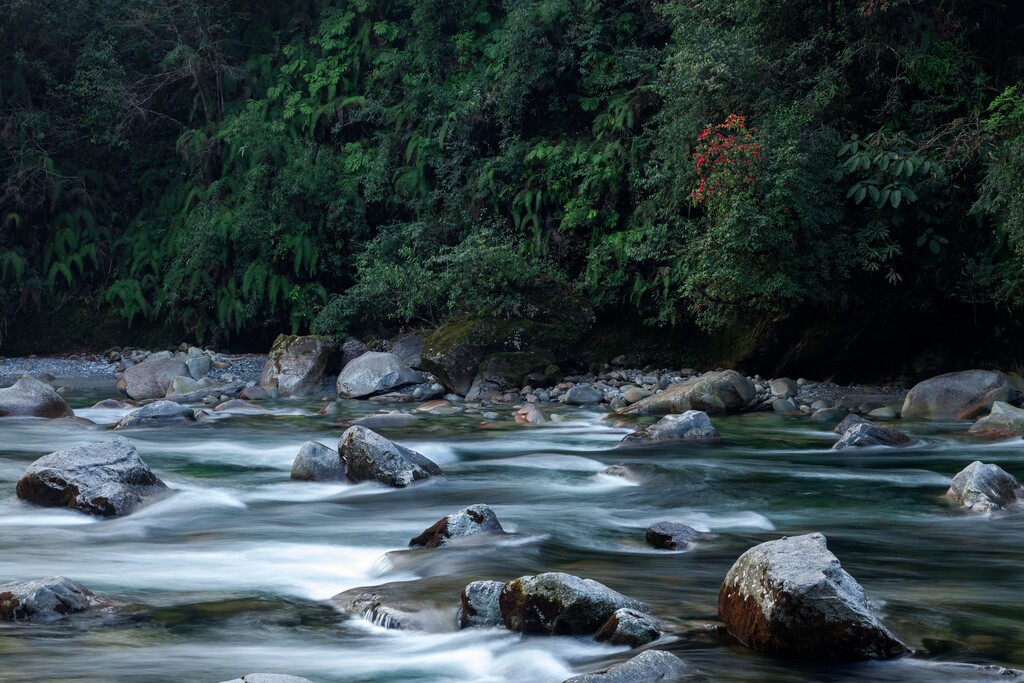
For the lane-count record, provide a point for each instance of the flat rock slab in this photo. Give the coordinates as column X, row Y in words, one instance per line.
column 159, row 414
column 28, row 397
column 984, row 487
column 956, row 395
column 647, row 667
column 375, row 373
column 107, row 479
column 368, row 456
column 420, row 605
column 791, row 597
column 471, row 521
column 714, row 392
column 46, row 599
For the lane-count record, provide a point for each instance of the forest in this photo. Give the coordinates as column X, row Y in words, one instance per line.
column 223, row 171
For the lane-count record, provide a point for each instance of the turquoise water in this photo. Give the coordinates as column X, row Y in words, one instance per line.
column 229, row 575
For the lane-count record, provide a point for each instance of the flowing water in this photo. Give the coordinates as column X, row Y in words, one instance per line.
column 231, row 573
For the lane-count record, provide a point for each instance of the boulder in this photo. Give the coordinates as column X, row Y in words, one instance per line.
column 693, row 424
column 28, row 397
column 829, row 414
column 650, row 666
column 530, row 414
column 791, row 597
column 269, row 678
column 476, row 519
column 159, row 414
column 984, row 487
column 582, row 394
column 481, row 604
column 850, row 421
column 674, row 535
column 509, row 369
column 635, row 394
column 375, row 373
column 956, row 395
column 454, row 352
column 402, row 605
column 783, row 388
column 45, row 599
column 238, row 405
column 368, row 456
column 629, row 627
column 296, row 365
column 111, row 404
column 152, row 378
column 713, row 392
column 866, row 435
column 317, row 462
column 106, row 479
column 199, row 366
column 409, row 349
column 352, row 349
column 560, row 604
column 1004, row 421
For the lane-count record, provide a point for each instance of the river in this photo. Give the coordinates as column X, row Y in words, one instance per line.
column 229, row 575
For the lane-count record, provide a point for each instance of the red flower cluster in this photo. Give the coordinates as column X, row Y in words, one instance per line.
column 727, row 162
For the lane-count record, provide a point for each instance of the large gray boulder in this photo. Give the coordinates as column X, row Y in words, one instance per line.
column 863, row 435
column 984, row 487
column 106, row 479
column 159, row 414
column 368, row 456
column 375, row 373
column 28, row 397
column 296, row 365
column 471, row 521
column 1004, row 421
column 481, row 604
column 690, row 426
column 556, row 603
column 791, row 597
column 317, row 462
column 713, row 393
column 956, row 395
column 152, row 378
column 46, row 599
column 650, row 666
column 582, row 394
column 409, row 349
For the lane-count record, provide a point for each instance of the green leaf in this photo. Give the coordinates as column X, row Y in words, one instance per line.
column 895, row 198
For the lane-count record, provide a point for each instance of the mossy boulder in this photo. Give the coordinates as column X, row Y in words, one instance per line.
column 455, row 352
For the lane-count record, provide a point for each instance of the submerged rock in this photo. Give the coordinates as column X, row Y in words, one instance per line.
column 629, row 627
column 651, row 666
column 106, row 479
column 317, row 462
column 402, row 605
column 791, row 597
column 1003, row 422
column 476, row 519
column 984, row 487
column 159, row 414
column 46, row 599
column 714, row 392
column 269, row 678
column 390, row 420
column 375, row 373
column 481, row 604
column 152, row 378
column 28, row 397
column 296, row 365
column 956, row 395
column 866, row 435
column 674, row 535
column 556, row 603
column 368, row 456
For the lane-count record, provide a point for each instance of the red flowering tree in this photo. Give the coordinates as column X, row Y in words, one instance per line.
column 728, row 162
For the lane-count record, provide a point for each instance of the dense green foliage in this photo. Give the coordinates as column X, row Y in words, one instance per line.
column 233, row 167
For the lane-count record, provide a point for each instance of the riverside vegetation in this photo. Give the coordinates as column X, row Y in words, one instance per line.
column 785, row 176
